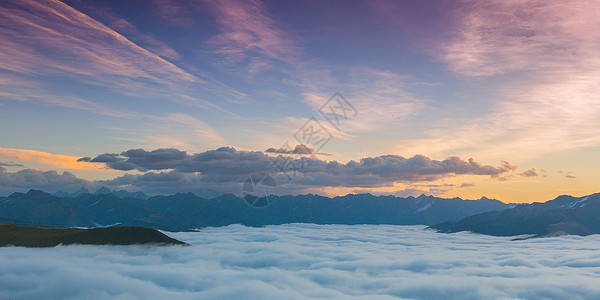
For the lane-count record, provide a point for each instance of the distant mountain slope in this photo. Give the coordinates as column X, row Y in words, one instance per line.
column 181, row 212
column 103, row 190
column 357, row 209
column 26, row 236
column 563, row 215
column 87, row 210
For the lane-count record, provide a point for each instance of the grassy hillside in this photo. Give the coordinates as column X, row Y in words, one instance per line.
column 27, row 236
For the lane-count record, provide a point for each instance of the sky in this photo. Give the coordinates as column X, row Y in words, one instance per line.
column 449, row 98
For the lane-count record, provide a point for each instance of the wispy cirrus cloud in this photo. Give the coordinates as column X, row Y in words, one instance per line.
column 495, row 37
column 381, row 99
column 66, row 42
column 548, row 103
column 177, row 130
column 246, row 28
column 177, row 12
column 180, row 130
column 62, row 39
column 17, row 92
column 122, row 25
column 63, row 42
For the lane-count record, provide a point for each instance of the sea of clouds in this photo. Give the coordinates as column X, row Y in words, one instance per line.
column 305, row 261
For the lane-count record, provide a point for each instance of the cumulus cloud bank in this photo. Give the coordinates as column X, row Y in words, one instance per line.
column 228, row 165
column 228, row 160
column 304, row 261
column 170, row 170
column 32, row 178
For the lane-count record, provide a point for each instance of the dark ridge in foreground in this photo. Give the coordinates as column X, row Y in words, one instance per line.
column 27, row 236
column 562, row 216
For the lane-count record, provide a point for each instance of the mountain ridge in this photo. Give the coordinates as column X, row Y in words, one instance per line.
column 563, row 215
column 102, row 190
column 186, row 211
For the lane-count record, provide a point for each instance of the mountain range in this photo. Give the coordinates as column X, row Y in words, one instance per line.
column 102, row 191
column 563, row 215
column 186, row 211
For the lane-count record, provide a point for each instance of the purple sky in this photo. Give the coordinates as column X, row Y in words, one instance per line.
column 451, row 98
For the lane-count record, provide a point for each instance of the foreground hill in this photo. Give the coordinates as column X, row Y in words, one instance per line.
column 27, row 236
column 182, row 212
column 563, row 215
